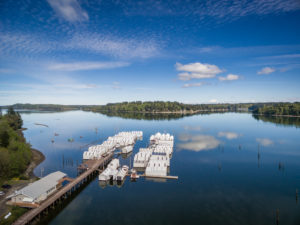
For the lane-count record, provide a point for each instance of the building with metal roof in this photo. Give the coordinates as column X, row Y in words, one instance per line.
column 39, row 190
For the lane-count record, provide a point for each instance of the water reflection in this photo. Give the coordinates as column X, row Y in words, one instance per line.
column 126, row 155
column 157, row 180
column 280, row 120
column 258, row 156
column 264, row 141
column 192, row 128
column 281, row 166
column 145, row 116
column 103, row 183
column 228, row 135
column 197, row 142
column 210, row 182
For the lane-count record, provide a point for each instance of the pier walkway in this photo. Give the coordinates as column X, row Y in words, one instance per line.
column 64, row 192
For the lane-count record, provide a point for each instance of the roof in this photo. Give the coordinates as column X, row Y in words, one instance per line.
column 36, row 189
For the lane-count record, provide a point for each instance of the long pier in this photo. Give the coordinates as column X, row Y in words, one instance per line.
column 64, row 192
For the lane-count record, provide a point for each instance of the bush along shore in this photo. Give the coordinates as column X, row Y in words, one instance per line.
column 17, row 162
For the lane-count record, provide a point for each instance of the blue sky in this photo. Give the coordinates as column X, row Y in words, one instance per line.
column 95, row 52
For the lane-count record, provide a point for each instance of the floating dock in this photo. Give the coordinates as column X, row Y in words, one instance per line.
column 164, row 177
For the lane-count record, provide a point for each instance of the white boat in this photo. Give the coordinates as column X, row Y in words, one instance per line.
column 141, row 159
column 156, row 168
column 111, row 171
column 134, row 174
column 122, row 173
column 105, row 175
column 127, row 149
column 121, row 140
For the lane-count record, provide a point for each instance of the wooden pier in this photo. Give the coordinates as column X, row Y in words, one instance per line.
column 89, row 171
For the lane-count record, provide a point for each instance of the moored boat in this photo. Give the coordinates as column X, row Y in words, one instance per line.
column 122, row 173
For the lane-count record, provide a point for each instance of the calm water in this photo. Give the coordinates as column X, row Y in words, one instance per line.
column 232, row 169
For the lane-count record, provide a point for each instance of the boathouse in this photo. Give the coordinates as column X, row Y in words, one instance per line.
column 39, row 190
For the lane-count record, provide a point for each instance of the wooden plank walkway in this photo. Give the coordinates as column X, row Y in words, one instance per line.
column 64, row 191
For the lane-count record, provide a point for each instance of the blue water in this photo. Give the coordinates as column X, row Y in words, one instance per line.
column 232, row 169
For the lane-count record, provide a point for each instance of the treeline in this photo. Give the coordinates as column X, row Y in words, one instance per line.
column 171, row 107
column 44, row 107
column 287, row 109
column 161, row 106
column 15, row 153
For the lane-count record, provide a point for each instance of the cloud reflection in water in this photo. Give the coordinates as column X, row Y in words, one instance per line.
column 228, row 135
column 197, row 142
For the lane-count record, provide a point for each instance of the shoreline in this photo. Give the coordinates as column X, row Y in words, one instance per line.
column 160, row 112
column 291, row 116
column 36, row 159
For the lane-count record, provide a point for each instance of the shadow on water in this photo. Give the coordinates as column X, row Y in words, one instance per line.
column 280, row 120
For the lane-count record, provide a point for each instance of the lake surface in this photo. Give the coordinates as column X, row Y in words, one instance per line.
column 232, row 168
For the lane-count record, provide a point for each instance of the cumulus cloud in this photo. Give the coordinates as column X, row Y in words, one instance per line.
column 229, row 77
column 197, row 71
column 264, row 141
column 213, row 101
column 197, row 142
column 69, row 10
column 266, row 70
column 76, row 66
column 228, row 135
column 192, row 85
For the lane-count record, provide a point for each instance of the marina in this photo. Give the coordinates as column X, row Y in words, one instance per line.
column 94, row 161
column 213, row 171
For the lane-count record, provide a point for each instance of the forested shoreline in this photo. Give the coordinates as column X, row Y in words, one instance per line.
column 15, row 153
column 279, row 109
column 269, row 108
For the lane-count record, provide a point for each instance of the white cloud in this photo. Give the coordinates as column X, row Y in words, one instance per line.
column 198, row 142
column 264, row 141
column 193, row 85
column 70, row 10
column 115, row 46
column 266, row 70
column 229, row 77
column 27, row 44
column 197, row 71
column 108, row 45
column 228, row 135
column 6, row 71
column 216, row 9
column 116, row 85
column 76, row 66
column 213, row 101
